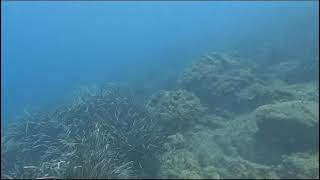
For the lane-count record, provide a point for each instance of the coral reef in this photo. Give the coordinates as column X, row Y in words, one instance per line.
column 176, row 109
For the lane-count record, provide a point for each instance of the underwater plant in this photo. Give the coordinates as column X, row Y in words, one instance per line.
column 94, row 158
column 132, row 131
column 102, row 134
column 29, row 142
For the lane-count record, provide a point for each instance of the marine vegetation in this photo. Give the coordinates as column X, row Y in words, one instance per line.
column 102, row 134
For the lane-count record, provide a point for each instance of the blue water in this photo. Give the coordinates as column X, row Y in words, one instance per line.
column 50, row 48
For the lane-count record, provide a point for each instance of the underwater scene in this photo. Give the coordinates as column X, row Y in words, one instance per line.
column 161, row 90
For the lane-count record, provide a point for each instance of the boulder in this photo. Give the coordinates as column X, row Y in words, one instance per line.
column 299, row 166
column 177, row 110
column 287, row 127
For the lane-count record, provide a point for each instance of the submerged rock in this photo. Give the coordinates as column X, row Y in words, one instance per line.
column 218, row 80
column 224, row 82
column 306, row 70
column 180, row 164
column 212, row 121
column 184, row 164
column 228, row 167
column 257, row 94
column 287, row 127
column 176, row 141
column 176, row 109
column 299, row 165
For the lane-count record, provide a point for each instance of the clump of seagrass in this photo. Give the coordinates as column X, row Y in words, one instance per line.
column 132, row 131
column 94, row 158
column 103, row 134
column 28, row 143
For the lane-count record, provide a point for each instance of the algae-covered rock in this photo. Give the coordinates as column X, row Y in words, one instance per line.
column 214, row 153
column 231, row 167
column 287, row 127
column 304, row 114
column 210, row 172
column 306, row 70
column 176, row 109
column 257, row 94
column 176, row 141
column 302, row 91
column 180, row 164
column 224, row 82
column 212, row 121
column 202, row 69
column 202, row 74
column 184, row 164
column 217, row 80
column 299, row 165
column 230, row 137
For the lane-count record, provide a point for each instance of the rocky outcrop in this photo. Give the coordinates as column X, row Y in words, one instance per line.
column 299, row 166
column 177, row 110
column 287, row 127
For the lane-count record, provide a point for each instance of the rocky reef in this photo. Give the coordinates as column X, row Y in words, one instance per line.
column 222, row 82
column 255, row 126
